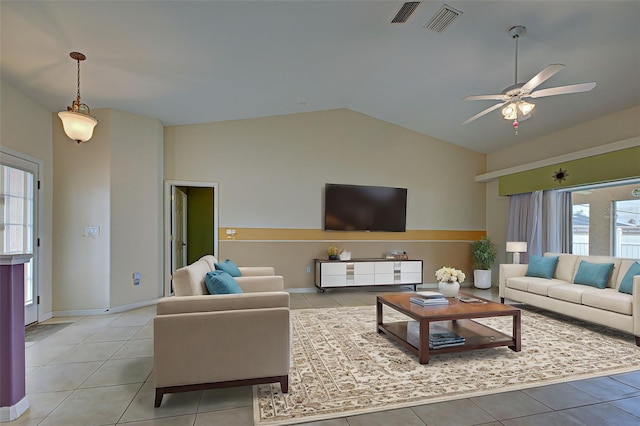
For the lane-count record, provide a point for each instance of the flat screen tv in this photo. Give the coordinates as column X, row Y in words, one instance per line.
column 364, row 208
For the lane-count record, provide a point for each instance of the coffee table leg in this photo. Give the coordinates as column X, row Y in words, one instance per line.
column 379, row 315
column 516, row 333
column 423, row 352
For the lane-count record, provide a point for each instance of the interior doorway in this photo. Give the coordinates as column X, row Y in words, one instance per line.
column 19, row 221
column 191, row 224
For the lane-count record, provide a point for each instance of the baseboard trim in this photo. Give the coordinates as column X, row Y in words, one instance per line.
column 9, row 414
column 113, row 310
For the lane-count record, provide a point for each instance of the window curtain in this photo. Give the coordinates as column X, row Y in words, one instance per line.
column 524, row 222
column 543, row 220
column 558, row 236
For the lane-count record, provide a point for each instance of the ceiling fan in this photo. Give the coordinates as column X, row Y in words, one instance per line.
column 512, row 98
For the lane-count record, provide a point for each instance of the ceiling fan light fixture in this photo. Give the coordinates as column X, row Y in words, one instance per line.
column 510, row 112
column 77, row 122
column 526, row 107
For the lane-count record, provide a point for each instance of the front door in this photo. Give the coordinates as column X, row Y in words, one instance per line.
column 18, row 179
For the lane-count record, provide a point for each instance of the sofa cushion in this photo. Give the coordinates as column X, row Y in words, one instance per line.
column 608, row 299
column 542, row 267
column 593, row 274
column 626, row 285
column 220, row 282
column 518, row 283
column 229, row 267
column 566, row 266
column 568, row 292
column 541, row 285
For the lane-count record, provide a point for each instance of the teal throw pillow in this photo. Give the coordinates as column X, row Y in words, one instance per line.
column 220, row 282
column 626, row 285
column 593, row 274
column 229, row 267
column 542, row 267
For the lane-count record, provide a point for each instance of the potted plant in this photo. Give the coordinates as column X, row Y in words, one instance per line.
column 483, row 253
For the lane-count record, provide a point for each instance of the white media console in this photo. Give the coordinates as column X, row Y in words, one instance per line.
column 367, row 272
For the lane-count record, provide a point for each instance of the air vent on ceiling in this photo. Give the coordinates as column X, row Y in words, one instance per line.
column 442, row 19
column 405, row 12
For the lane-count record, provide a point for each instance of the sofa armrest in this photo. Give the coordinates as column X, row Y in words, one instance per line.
column 253, row 271
column 261, row 283
column 207, row 347
column 222, row 302
column 508, row 270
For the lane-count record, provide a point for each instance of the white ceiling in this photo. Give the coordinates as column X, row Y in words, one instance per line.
column 187, row 62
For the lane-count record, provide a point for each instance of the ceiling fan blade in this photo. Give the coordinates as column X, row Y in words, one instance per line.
column 486, row 98
column 486, row 111
column 563, row 90
column 541, row 77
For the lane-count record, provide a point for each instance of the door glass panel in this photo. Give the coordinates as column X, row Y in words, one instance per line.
column 16, row 219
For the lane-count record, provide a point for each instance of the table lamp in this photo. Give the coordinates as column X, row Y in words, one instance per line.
column 516, row 247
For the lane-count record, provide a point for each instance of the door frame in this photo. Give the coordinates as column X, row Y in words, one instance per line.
column 168, row 206
column 21, row 161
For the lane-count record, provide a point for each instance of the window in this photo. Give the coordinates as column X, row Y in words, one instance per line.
column 580, row 226
column 626, row 237
column 606, row 220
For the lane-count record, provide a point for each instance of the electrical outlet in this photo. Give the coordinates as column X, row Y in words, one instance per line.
column 136, row 278
column 308, row 269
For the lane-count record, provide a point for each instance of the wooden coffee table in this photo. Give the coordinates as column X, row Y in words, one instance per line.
column 455, row 317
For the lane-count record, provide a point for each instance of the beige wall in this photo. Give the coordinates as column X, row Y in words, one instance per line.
column 81, row 198
column 114, row 181
column 25, row 127
column 613, row 128
column 271, row 173
column 136, row 207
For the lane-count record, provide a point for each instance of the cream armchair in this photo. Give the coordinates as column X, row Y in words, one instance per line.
column 211, row 341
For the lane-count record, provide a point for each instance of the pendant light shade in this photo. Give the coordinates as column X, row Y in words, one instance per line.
column 77, row 121
column 77, row 126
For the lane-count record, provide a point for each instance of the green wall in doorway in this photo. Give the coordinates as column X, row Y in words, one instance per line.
column 200, row 235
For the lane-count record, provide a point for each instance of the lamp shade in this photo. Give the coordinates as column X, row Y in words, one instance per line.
column 77, row 126
column 516, row 246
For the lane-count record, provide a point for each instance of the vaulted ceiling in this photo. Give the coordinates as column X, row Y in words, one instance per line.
column 187, row 62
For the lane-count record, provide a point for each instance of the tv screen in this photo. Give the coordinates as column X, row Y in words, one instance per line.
column 364, row 208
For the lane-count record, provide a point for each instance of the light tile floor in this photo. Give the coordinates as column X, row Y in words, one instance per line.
column 98, row 371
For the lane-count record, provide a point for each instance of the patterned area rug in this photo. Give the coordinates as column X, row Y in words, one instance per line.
column 37, row 332
column 341, row 366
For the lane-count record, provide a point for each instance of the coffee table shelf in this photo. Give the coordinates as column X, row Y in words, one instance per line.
column 457, row 317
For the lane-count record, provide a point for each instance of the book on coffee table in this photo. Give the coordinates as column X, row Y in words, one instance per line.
column 428, row 302
column 430, row 294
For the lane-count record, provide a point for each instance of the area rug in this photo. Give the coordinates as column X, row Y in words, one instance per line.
column 37, row 332
column 340, row 365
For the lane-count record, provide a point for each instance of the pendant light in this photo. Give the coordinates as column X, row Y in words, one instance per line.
column 77, row 121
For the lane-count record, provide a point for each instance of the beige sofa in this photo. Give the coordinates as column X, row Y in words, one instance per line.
column 206, row 341
column 606, row 306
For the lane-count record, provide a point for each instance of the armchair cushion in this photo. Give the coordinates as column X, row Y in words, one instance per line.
column 220, row 282
column 229, row 267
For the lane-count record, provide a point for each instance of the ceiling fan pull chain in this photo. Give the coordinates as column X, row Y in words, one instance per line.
column 515, row 126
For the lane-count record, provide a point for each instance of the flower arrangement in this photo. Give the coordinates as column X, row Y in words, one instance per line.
column 333, row 252
column 448, row 274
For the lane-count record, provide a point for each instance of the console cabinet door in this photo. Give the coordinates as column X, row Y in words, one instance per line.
column 333, row 274
column 384, row 272
column 411, row 272
column 363, row 273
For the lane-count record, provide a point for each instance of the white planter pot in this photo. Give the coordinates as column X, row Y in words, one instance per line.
column 448, row 289
column 482, row 278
